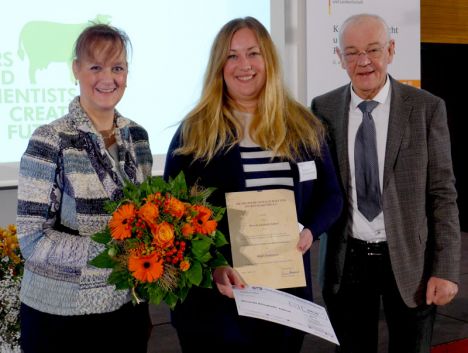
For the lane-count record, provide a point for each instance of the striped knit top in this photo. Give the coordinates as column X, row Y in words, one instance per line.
column 65, row 178
column 263, row 172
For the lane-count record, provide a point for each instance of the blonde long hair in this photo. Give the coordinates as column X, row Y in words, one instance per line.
column 280, row 124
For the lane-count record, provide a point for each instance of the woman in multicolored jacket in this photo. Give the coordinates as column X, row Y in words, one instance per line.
column 70, row 168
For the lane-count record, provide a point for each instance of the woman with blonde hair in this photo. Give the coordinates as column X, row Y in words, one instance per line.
column 248, row 133
column 70, row 169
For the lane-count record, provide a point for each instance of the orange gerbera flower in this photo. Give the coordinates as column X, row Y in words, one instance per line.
column 163, row 235
column 121, row 221
column 174, row 207
column 147, row 268
column 187, row 230
column 202, row 222
column 149, row 212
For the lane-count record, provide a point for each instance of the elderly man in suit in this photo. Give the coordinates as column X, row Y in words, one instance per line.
column 398, row 239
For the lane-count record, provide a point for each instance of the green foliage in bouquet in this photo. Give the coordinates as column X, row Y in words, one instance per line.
column 162, row 240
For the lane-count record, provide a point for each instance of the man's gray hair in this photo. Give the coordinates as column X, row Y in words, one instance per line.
column 358, row 18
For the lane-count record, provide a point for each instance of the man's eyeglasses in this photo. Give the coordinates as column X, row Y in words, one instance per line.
column 374, row 52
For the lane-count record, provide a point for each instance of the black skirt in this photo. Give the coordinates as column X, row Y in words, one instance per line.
column 124, row 330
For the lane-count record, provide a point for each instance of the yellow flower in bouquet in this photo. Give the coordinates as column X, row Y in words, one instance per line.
column 161, row 240
column 11, row 270
column 11, row 260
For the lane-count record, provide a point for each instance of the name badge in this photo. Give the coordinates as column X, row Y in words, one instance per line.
column 307, row 171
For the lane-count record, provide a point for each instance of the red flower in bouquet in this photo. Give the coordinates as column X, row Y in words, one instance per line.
column 161, row 240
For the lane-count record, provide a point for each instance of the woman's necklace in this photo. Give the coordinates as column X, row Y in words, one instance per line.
column 108, row 136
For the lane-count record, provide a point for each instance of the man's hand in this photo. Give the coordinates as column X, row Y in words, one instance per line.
column 440, row 291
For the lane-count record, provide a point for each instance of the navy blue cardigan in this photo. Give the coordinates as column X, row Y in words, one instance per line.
column 318, row 202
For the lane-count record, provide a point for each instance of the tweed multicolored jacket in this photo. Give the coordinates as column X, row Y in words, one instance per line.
column 65, row 177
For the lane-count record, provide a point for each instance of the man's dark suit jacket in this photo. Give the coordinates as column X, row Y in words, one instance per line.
column 418, row 193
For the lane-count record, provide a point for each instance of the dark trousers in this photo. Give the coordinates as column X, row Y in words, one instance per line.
column 124, row 330
column 367, row 281
column 246, row 335
column 208, row 322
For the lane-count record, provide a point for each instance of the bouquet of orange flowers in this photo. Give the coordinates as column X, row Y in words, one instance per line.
column 162, row 239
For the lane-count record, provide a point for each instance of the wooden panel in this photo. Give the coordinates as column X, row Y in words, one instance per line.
column 444, row 21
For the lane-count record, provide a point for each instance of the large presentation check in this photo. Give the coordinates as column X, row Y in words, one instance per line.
column 264, row 233
column 285, row 309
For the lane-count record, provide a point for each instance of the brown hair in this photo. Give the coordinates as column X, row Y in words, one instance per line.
column 101, row 36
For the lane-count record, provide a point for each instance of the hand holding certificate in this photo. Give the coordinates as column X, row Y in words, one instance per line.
column 264, row 233
column 286, row 309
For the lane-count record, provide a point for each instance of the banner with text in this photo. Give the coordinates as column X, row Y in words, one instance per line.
column 171, row 41
column 324, row 17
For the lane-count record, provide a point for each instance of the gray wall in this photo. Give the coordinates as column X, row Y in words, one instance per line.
column 8, row 201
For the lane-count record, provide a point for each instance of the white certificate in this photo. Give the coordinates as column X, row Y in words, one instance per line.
column 285, row 309
column 264, row 234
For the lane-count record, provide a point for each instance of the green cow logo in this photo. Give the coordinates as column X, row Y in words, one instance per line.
column 51, row 42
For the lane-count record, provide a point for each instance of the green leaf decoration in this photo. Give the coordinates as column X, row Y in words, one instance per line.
column 110, row 206
column 157, row 184
column 178, row 186
column 171, row 300
column 218, row 213
column 103, row 260
column 195, row 273
column 183, row 293
column 220, row 239
column 120, row 278
column 201, row 246
column 156, row 295
column 219, row 260
column 102, row 237
column 207, row 281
